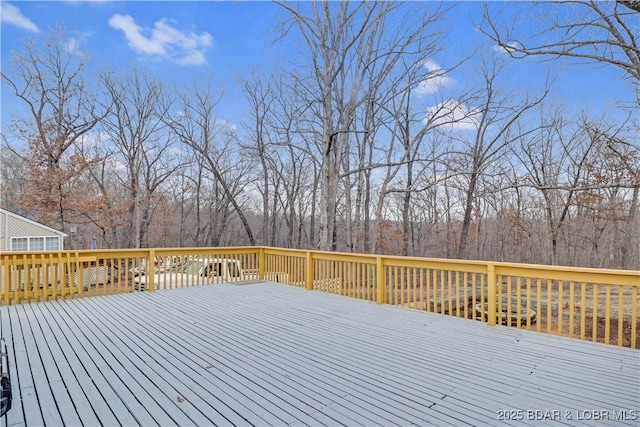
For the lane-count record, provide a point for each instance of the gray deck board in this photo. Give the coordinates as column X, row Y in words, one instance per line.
column 347, row 375
column 84, row 394
column 271, row 354
column 74, row 407
column 123, row 372
column 178, row 362
column 363, row 390
column 5, row 323
column 172, row 295
column 33, row 385
column 249, row 373
column 401, row 374
column 109, row 399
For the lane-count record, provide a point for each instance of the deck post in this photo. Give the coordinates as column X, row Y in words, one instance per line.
column 261, row 265
column 9, row 280
column 79, row 275
column 309, row 277
column 151, row 271
column 491, row 297
column 380, row 281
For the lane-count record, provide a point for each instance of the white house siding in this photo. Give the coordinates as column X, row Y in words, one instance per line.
column 15, row 226
column 12, row 225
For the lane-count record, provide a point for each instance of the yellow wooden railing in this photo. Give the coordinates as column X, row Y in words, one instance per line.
column 593, row 304
column 29, row 276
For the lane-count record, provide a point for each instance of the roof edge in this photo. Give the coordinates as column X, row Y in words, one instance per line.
column 6, row 212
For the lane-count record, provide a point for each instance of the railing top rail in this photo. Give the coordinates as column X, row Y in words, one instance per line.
column 504, row 268
column 497, row 264
column 631, row 276
column 138, row 251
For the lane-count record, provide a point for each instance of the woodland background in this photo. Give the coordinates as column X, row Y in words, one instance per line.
column 336, row 153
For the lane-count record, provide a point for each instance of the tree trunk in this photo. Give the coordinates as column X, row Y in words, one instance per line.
column 468, row 211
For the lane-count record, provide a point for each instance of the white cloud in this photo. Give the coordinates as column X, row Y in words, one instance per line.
column 227, row 126
column 95, row 143
column 508, row 48
column 437, row 78
column 453, row 115
column 499, row 49
column 74, row 43
column 87, row 1
column 12, row 15
column 163, row 40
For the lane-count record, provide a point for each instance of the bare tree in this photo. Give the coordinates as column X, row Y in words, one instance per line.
column 261, row 96
column 496, row 115
column 414, row 131
column 613, row 182
column 331, row 37
column 555, row 158
column 603, row 32
column 139, row 105
column 198, row 128
column 14, row 178
column 49, row 78
column 586, row 174
column 352, row 52
column 294, row 166
column 108, row 212
column 599, row 31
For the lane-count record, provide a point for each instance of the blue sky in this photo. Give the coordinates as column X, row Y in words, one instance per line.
column 176, row 40
column 224, row 39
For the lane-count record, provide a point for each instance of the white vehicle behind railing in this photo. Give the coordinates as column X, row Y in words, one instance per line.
column 140, row 265
column 195, row 271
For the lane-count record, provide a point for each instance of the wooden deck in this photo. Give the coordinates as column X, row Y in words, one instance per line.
column 271, row 354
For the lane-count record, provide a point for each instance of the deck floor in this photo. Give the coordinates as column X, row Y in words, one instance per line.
column 271, row 354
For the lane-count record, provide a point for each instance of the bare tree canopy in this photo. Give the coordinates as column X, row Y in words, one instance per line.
column 385, row 127
column 600, row 31
column 49, row 79
column 346, row 44
column 635, row 5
